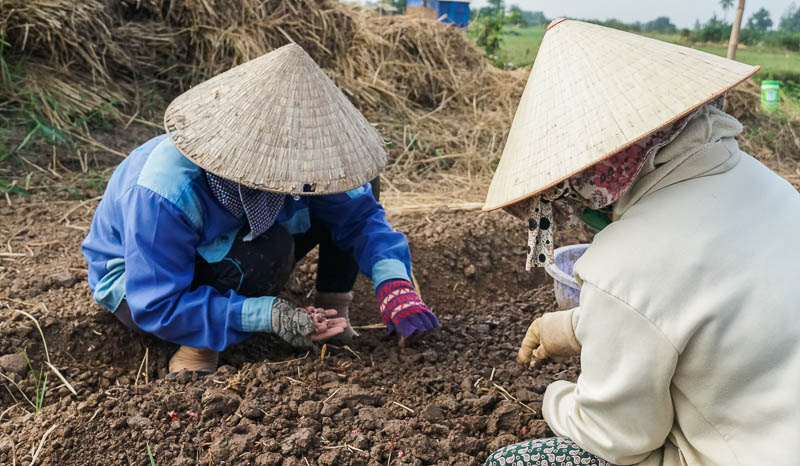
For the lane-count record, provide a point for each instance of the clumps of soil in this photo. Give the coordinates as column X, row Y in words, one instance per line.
column 445, row 398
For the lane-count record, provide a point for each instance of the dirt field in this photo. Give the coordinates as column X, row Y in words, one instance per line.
column 450, row 397
column 440, row 400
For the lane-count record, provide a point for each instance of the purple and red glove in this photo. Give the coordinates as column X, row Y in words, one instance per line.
column 403, row 310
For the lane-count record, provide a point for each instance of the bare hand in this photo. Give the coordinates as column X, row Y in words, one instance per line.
column 326, row 324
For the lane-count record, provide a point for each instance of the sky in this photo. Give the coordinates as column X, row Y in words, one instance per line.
column 683, row 13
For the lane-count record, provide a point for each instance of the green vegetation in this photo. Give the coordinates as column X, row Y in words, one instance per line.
column 776, row 63
column 150, row 455
column 39, row 384
column 760, row 21
column 489, row 28
column 790, row 21
column 488, row 33
column 528, row 18
column 516, row 15
column 755, row 33
column 513, row 40
column 776, row 51
column 520, row 44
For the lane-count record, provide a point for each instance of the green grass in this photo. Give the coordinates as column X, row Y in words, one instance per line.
column 521, row 44
column 775, row 63
column 39, row 384
column 150, row 455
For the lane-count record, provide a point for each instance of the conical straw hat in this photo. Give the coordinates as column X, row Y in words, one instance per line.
column 592, row 92
column 276, row 123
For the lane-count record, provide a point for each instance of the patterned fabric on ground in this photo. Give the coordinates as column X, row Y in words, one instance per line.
column 260, row 207
column 554, row 451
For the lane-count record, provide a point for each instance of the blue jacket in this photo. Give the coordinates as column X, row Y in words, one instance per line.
column 157, row 215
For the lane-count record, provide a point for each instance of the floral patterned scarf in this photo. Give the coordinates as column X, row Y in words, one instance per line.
column 596, row 187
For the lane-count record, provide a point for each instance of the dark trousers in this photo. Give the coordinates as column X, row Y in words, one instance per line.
column 262, row 266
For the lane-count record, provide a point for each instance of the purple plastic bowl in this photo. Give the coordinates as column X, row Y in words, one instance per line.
column 566, row 287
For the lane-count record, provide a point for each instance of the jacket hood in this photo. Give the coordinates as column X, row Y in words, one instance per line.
column 705, row 147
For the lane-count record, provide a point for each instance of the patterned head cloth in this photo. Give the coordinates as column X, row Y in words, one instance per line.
column 260, row 207
column 596, row 187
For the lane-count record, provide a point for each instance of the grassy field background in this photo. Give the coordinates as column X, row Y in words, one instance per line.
column 520, row 45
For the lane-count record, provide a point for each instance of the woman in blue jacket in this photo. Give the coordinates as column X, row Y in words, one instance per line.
column 199, row 229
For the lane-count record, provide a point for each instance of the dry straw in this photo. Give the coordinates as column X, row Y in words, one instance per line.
column 594, row 91
column 442, row 109
column 277, row 123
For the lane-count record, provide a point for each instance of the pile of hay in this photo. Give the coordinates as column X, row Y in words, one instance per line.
column 443, row 109
column 434, row 96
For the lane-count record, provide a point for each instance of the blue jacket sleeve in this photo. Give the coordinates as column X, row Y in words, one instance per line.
column 357, row 223
column 160, row 253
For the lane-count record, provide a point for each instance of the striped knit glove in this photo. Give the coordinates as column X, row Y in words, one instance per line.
column 403, row 310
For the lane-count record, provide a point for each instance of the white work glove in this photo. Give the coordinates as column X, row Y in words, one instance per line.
column 550, row 336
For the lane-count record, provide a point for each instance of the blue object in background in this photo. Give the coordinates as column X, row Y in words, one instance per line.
column 454, row 12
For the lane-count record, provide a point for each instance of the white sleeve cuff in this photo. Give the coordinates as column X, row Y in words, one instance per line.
column 558, row 399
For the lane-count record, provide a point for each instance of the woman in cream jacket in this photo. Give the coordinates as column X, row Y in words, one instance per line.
column 687, row 332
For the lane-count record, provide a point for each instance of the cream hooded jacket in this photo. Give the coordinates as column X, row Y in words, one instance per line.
column 690, row 314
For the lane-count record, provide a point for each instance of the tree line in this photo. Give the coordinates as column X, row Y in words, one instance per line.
column 759, row 27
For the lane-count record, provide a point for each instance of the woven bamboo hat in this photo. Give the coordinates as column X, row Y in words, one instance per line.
column 593, row 91
column 276, row 123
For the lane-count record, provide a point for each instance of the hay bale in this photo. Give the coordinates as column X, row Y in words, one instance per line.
column 142, row 48
column 371, row 56
column 432, row 93
column 62, row 30
column 222, row 33
column 64, row 97
column 419, row 61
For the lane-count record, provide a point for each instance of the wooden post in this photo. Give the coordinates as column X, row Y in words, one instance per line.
column 737, row 24
column 732, row 44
